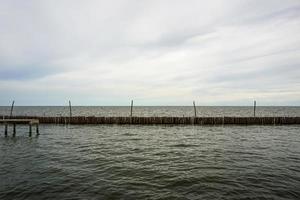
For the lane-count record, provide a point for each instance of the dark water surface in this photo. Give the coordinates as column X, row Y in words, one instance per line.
column 151, row 162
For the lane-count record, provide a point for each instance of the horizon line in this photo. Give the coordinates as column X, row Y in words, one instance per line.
column 151, row 105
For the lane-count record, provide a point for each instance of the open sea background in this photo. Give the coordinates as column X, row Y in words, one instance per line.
column 151, row 162
column 161, row 111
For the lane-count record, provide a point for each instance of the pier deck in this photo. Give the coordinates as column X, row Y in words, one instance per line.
column 14, row 122
column 19, row 121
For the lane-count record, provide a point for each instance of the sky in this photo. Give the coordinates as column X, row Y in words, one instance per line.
column 156, row 52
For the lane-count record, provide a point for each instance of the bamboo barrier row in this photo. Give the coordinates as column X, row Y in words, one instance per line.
column 164, row 120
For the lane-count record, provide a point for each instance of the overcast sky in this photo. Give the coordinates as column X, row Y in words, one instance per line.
column 157, row 52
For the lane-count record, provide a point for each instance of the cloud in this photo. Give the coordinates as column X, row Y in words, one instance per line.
column 167, row 52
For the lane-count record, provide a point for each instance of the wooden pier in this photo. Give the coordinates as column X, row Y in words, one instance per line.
column 14, row 123
column 161, row 120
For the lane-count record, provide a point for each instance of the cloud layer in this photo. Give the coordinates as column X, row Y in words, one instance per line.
column 156, row 52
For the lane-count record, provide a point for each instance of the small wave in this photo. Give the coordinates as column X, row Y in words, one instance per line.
column 184, row 145
column 129, row 134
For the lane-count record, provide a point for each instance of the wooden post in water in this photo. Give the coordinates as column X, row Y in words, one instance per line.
column 30, row 130
column 195, row 111
column 131, row 108
column 254, row 108
column 37, row 129
column 14, row 130
column 11, row 109
column 5, row 129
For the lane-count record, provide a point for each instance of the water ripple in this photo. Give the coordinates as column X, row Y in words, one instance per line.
column 152, row 162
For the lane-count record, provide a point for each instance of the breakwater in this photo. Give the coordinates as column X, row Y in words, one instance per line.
column 163, row 120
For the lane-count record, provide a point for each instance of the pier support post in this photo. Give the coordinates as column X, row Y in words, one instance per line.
column 14, row 130
column 37, row 129
column 30, row 130
column 5, row 129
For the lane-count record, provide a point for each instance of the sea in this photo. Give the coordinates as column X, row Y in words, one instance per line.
column 151, row 161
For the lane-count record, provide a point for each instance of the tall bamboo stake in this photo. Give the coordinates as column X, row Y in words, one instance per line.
column 195, row 109
column 11, row 109
column 131, row 108
column 254, row 108
column 70, row 107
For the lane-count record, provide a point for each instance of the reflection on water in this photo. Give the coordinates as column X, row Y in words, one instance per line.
column 151, row 162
